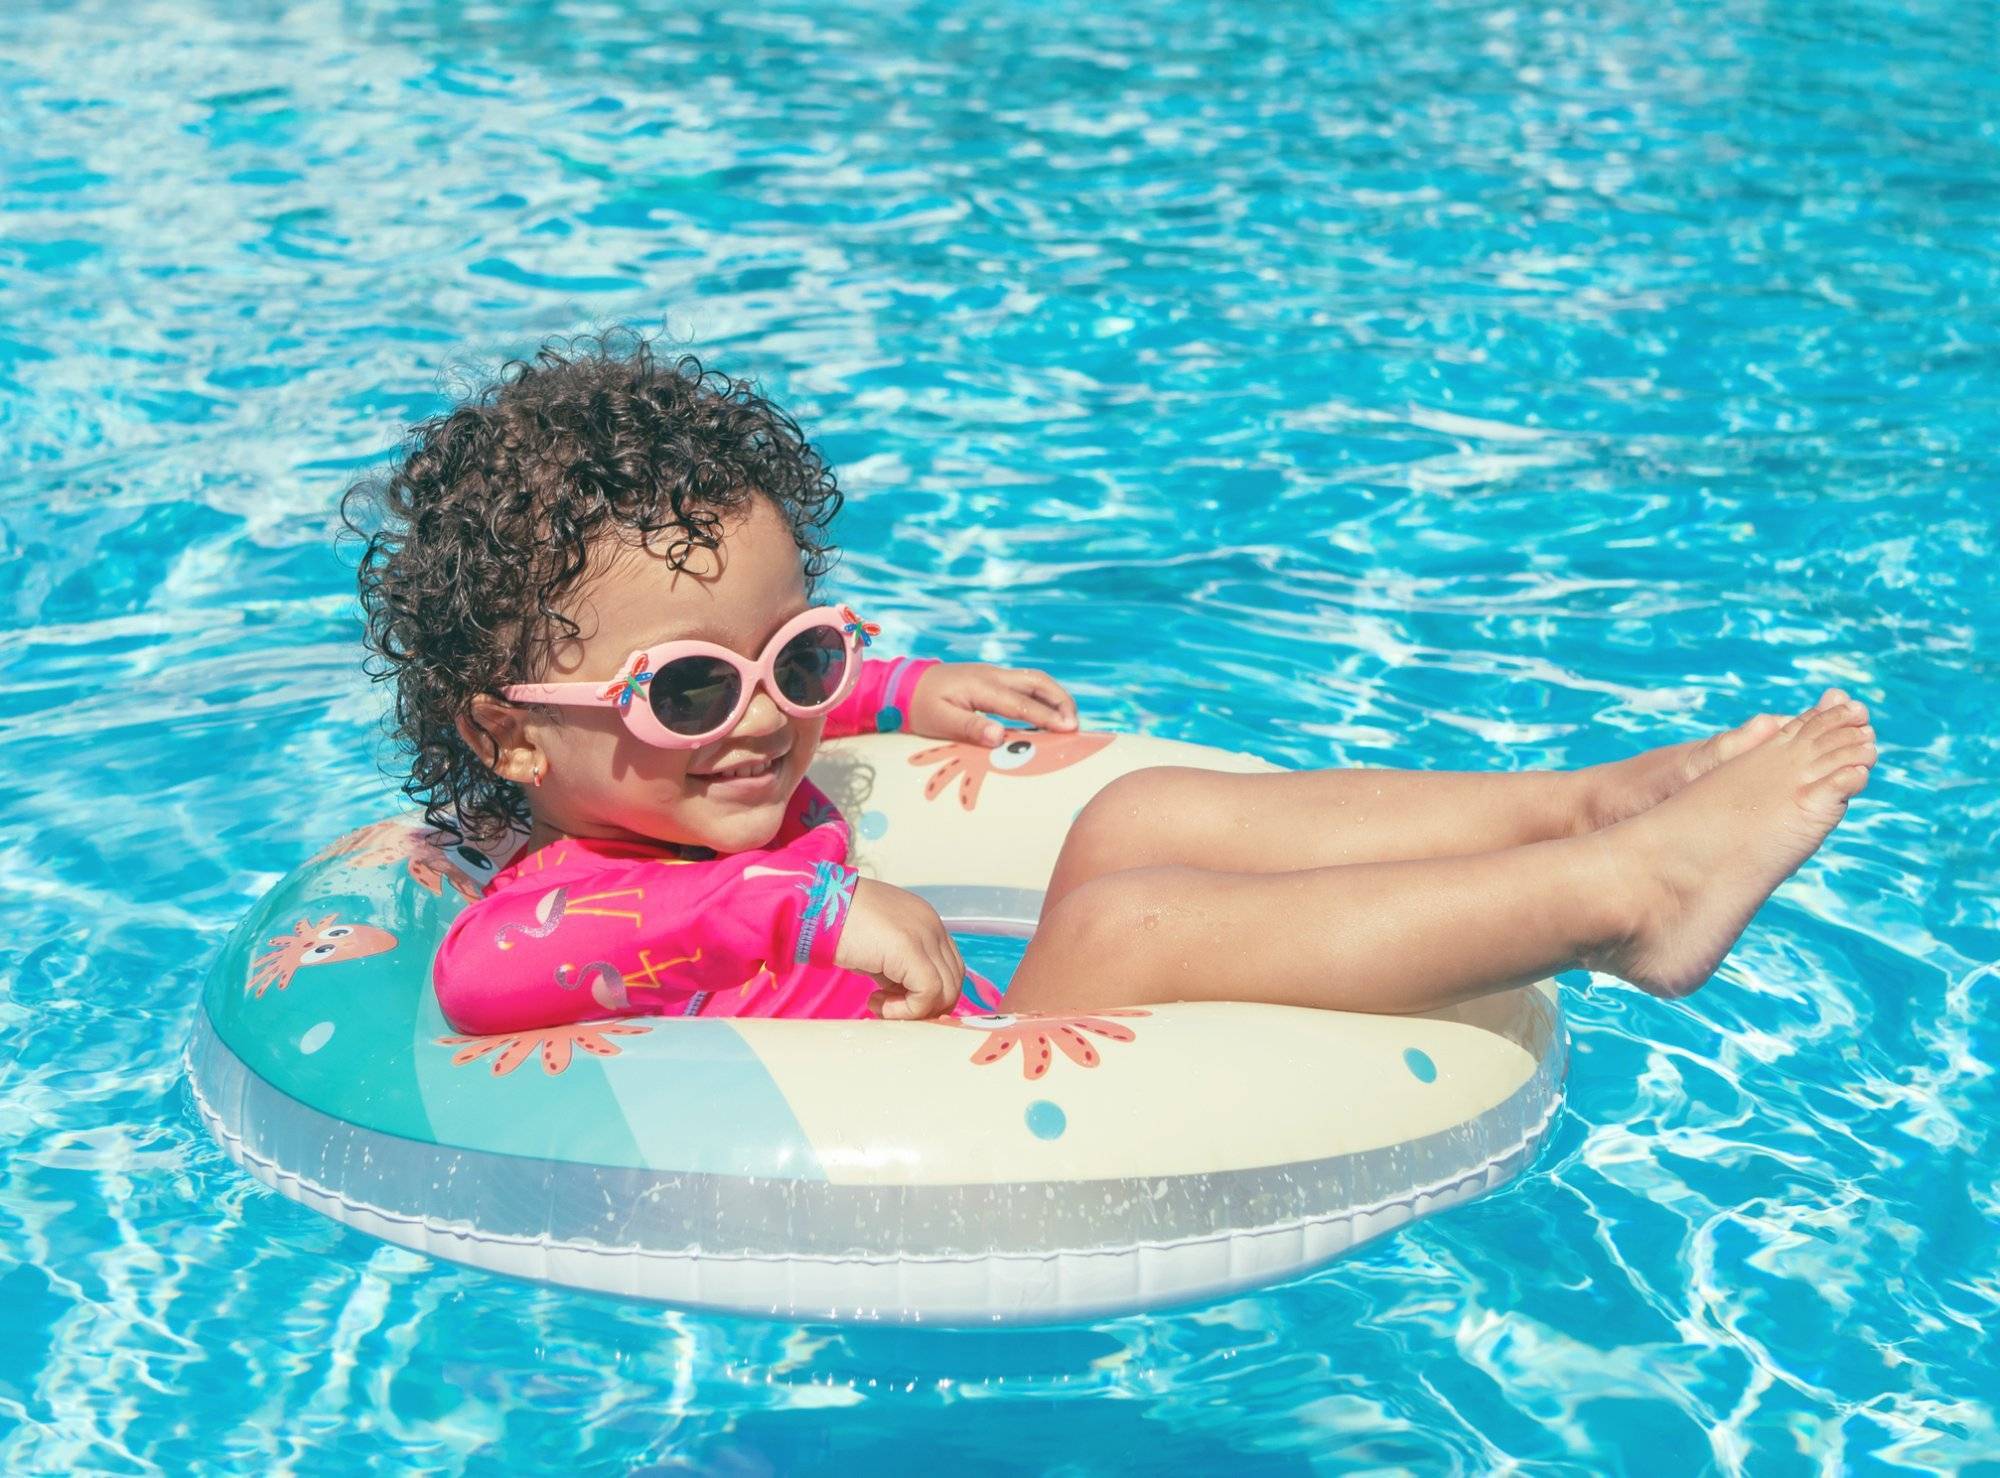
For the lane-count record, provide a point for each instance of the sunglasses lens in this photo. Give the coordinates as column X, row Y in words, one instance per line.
column 812, row 666
column 694, row 695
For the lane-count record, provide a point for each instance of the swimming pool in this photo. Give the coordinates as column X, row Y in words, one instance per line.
column 1448, row 386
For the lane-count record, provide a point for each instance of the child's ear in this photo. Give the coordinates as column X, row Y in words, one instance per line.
column 496, row 733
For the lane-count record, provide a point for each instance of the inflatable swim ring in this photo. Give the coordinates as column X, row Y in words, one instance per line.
column 995, row 1168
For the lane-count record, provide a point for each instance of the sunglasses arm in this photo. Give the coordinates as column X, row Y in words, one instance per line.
column 563, row 695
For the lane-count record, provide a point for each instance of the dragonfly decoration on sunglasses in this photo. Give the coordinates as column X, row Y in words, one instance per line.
column 853, row 625
column 630, row 683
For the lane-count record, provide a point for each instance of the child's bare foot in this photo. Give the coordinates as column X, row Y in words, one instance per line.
column 1620, row 790
column 1703, row 861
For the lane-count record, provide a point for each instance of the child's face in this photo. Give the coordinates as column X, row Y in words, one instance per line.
column 603, row 782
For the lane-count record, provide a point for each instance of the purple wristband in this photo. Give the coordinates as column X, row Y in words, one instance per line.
column 902, row 687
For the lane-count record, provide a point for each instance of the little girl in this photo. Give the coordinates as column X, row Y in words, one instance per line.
column 592, row 584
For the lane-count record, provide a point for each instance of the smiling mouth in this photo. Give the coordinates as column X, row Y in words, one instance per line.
column 746, row 770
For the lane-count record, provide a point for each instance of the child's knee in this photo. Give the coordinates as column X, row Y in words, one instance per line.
column 1109, row 941
column 1127, row 823
column 1087, row 921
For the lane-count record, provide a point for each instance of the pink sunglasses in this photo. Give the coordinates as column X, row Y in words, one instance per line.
column 695, row 691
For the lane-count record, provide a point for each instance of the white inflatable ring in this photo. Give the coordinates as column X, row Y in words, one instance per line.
column 994, row 1169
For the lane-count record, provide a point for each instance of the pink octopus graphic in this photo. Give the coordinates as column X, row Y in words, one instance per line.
column 556, row 1044
column 324, row 943
column 431, row 856
column 1041, row 1036
column 1023, row 752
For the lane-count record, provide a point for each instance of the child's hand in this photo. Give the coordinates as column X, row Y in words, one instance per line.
column 953, row 699
column 899, row 939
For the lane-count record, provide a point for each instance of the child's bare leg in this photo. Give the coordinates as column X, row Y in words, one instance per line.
column 1657, row 899
column 1172, row 816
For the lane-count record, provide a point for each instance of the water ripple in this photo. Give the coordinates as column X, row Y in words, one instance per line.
column 1449, row 387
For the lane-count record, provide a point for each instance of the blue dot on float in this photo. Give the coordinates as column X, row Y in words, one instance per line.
column 873, row 824
column 1045, row 1120
column 1420, row 1065
column 888, row 719
column 316, row 1037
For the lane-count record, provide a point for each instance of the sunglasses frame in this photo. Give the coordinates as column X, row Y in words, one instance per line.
column 641, row 667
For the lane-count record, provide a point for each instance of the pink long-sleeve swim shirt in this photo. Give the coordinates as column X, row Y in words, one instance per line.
column 586, row 928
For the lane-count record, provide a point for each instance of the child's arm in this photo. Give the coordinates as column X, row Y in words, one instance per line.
column 942, row 700
column 880, row 702
column 899, row 939
column 643, row 935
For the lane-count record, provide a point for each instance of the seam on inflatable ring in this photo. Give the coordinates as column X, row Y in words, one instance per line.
column 233, row 1144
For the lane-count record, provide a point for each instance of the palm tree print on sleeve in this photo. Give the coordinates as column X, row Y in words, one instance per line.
column 828, row 891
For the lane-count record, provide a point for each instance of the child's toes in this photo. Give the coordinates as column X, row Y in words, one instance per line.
column 1825, row 795
column 1830, row 697
column 1745, row 737
column 1830, row 730
column 1837, row 757
column 1822, row 721
column 1760, row 728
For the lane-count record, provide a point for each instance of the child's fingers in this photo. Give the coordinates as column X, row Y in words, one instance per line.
column 1053, row 698
column 901, row 1008
column 967, row 724
column 910, row 983
column 927, row 987
column 954, row 972
column 925, row 992
column 896, row 995
column 951, row 974
column 887, row 989
column 1002, row 696
column 914, row 1004
column 1052, row 693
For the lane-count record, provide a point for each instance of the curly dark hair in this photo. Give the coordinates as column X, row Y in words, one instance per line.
column 483, row 522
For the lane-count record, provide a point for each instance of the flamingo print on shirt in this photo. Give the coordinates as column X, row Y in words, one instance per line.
column 555, row 905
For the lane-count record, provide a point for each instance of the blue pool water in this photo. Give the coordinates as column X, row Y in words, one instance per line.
column 1473, row 385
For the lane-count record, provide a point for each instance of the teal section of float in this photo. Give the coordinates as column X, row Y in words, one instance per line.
column 363, row 1040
